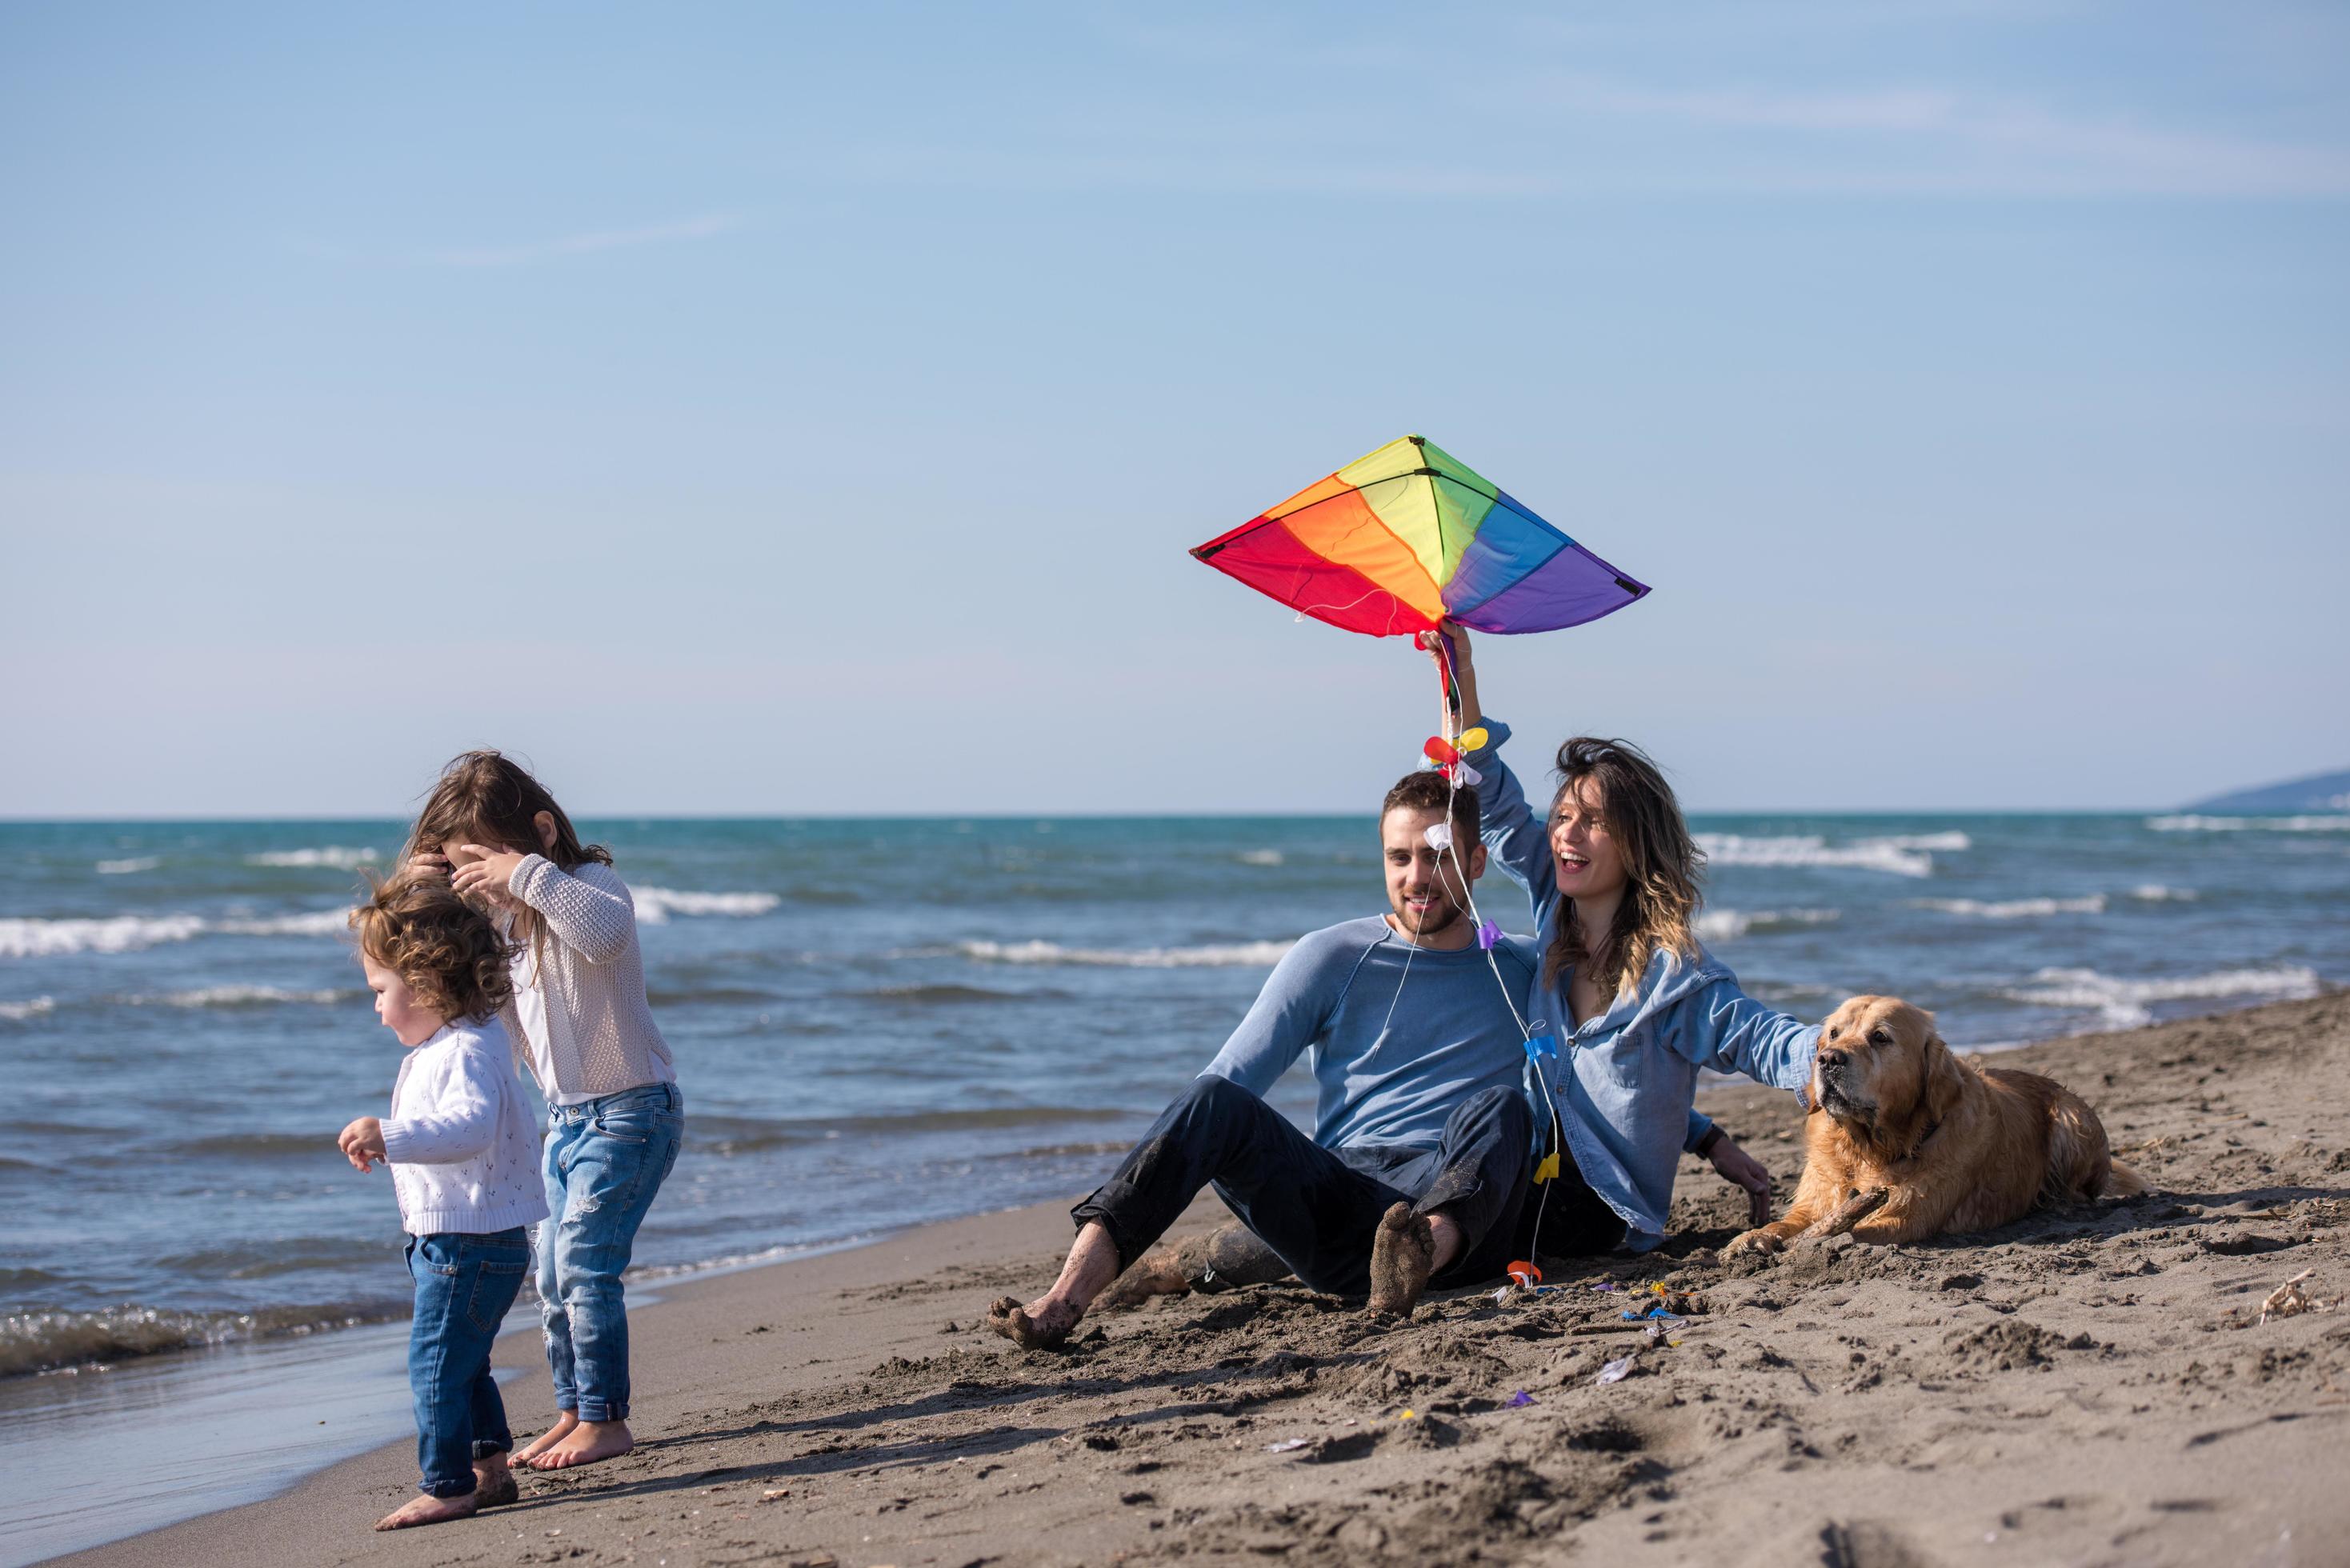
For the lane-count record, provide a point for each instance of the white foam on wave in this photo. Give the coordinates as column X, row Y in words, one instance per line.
column 2127, row 1003
column 1948, row 843
column 2190, row 823
column 333, row 857
column 237, row 996
column 1259, row 856
column 318, row 923
column 1727, row 925
column 656, row 905
column 18, row 1012
column 2014, row 908
column 34, row 938
column 125, row 868
column 31, row 937
column 1892, row 855
column 1212, row 955
column 2156, row 893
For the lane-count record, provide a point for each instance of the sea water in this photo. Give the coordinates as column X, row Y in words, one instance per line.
column 882, row 1023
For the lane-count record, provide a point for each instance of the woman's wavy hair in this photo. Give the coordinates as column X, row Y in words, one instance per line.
column 1663, row 867
column 486, row 795
column 450, row 954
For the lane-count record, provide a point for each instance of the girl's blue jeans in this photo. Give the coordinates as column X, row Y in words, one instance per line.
column 605, row 1160
column 464, row 1283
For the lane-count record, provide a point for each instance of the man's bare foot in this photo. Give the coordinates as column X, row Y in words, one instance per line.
column 564, row 1421
column 420, row 1510
column 589, row 1443
column 1160, row 1271
column 493, row 1483
column 1043, row 1324
column 1403, row 1255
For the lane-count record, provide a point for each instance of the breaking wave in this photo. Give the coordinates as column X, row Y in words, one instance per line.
column 1728, row 925
column 1213, row 955
column 124, row 868
column 1259, row 858
column 656, row 905
column 334, row 857
column 2192, row 823
column 34, row 938
column 117, row 934
column 2129, row 1003
column 238, row 996
column 1895, row 857
column 2156, row 893
column 44, row 1341
column 2014, row 908
column 18, row 1012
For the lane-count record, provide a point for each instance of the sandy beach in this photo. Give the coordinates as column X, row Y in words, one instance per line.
column 2081, row 1388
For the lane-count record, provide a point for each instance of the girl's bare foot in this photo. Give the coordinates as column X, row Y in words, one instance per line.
column 493, row 1483
column 426, row 1510
column 588, row 1443
column 564, row 1421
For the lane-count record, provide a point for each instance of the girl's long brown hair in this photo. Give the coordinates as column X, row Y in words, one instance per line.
column 487, row 796
column 1663, row 867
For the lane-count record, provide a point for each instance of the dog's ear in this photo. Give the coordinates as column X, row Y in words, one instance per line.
column 1946, row 1081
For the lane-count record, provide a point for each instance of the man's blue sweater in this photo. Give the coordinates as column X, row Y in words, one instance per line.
column 1399, row 1035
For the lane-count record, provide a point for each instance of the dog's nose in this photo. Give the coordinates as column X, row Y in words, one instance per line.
column 1833, row 1064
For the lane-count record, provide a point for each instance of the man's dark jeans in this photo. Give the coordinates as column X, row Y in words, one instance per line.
column 1319, row 1208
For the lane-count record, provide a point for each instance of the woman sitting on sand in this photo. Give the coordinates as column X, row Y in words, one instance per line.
column 1636, row 1002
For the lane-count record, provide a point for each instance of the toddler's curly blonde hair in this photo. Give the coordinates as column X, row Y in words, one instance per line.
column 450, row 954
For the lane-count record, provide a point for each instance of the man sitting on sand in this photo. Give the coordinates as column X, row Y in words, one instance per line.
column 1420, row 1160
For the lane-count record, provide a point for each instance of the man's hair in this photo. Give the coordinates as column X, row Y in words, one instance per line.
column 1426, row 789
column 447, row 952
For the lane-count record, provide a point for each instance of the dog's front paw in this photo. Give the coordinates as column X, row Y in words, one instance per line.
column 1760, row 1240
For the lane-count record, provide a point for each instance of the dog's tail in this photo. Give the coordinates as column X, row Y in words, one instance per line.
column 2122, row 1182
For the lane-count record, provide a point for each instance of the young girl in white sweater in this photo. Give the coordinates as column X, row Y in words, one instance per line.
column 579, row 1014
column 459, row 1146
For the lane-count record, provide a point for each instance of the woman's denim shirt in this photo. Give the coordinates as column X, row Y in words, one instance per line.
column 1625, row 1081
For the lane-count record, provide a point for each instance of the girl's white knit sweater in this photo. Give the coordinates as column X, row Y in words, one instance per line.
column 463, row 1147
column 601, row 1033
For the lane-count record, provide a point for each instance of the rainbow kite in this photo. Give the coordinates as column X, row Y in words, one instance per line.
column 1395, row 542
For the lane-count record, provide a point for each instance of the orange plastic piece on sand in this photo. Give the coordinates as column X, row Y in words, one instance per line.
column 1526, row 1274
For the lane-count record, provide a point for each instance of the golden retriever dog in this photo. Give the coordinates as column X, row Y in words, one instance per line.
column 1906, row 1139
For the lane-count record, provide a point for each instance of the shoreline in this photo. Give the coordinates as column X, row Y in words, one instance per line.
column 2084, row 1383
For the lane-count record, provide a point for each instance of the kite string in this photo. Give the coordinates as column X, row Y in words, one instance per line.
column 1450, row 722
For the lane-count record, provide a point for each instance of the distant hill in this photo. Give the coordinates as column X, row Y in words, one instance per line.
column 2321, row 792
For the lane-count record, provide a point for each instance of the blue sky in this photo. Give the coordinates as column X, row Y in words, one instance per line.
column 759, row 409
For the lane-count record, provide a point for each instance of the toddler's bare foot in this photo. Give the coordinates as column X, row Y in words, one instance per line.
column 564, row 1421
column 426, row 1510
column 1403, row 1255
column 589, row 1443
column 1043, row 1324
column 493, row 1483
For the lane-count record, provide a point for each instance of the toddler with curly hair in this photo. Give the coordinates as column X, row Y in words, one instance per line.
column 463, row 1156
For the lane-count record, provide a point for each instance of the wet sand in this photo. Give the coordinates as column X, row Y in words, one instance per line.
column 2083, row 1387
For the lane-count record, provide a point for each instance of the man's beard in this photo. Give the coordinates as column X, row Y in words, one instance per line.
column 1432, row 924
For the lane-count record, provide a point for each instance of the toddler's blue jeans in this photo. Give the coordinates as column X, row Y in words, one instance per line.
column 605, row 1160
column 464, row 1283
